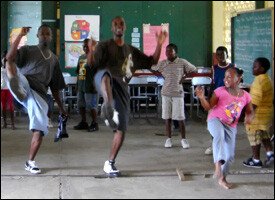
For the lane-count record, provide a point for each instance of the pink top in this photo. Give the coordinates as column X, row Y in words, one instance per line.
column 229, row 107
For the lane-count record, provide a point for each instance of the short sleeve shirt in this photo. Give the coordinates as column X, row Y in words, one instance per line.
column 261, row 92
column 229, row 107
column 173, row 73
column 41, row 73
column 108, row 55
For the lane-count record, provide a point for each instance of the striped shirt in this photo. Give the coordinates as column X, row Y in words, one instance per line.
column 261, row 92
column 173, row 73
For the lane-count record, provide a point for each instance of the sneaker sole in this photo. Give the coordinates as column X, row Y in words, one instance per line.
column 112, row 175
column 257, row 167
column 33, row 172
column 92, row 130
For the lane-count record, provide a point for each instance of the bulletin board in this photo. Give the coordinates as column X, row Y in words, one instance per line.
column 80, row 27
column 150, row 41
column 72, row 52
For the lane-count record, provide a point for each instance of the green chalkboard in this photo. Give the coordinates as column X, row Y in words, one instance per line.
column 252, row 37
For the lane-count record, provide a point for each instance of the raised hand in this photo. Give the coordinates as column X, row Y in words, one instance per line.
column 199, row 92
column 161, row 37
column 25, row 30
column 91, row 44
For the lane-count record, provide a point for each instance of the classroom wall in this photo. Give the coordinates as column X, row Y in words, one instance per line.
column 190, row 23
column 218, row 22
column 48, row 16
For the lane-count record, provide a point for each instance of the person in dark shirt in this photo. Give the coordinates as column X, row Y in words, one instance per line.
column 113, row 60
column 30, row 71
column 87, row 97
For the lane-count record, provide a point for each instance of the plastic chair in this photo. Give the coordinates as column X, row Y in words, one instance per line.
column 202, row 81
column 69, row 94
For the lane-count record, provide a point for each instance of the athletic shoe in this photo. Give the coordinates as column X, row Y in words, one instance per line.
column 17, row 89
column 109, row 115
column 110, row 169
column 168, row 143
column 250, row 163
column 81, row 126
column 93, row 127
column 269, row 160
column 185, row 144
column 31, row 167
column 208, row 151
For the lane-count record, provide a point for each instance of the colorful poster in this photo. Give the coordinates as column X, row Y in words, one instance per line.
column 149, row 39
column 72, row 52
column 80, row 27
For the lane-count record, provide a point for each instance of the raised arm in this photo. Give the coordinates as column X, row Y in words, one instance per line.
column 160, row 40
column 11, row 55
column 207, row 105
column 90, row 56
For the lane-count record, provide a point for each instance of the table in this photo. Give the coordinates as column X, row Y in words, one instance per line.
column 138, row 90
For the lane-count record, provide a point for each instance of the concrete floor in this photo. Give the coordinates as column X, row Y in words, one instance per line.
column 72, row 168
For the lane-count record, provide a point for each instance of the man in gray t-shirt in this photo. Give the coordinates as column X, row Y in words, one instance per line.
column 38, row 69
column 112, row 59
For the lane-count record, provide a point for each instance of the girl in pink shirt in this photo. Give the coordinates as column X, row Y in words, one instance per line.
column 225, row 107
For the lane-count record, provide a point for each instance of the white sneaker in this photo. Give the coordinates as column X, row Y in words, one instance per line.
column 31, row 167
column 208, row 151
column 109, row 168
column 185, row 144
column 50, row 124
column 168, row 143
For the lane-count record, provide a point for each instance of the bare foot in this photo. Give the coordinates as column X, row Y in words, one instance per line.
column 225, row 184
column 218, row 171
column 217, row 174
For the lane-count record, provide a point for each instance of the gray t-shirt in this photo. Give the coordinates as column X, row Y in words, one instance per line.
column 41, row 73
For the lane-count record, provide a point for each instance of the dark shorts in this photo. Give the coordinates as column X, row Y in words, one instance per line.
column 120, row 95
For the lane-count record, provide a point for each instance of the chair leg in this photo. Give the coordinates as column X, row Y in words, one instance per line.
column 198, row 107
column 138, row 109
column 146, row 108
column 133, row 104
